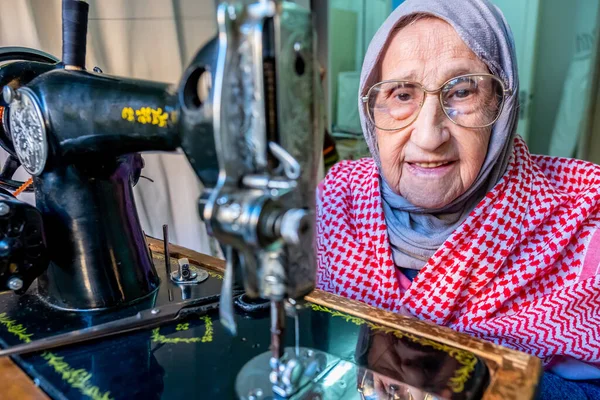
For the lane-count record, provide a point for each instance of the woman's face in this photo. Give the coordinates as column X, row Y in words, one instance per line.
column 432, row 161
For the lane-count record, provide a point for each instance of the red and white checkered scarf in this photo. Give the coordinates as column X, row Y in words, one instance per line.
column 521, row 271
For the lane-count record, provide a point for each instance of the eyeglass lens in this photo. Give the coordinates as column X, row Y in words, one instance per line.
column 471, row 101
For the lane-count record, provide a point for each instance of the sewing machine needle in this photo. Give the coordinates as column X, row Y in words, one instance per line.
column 277, row 329
column 297, row 329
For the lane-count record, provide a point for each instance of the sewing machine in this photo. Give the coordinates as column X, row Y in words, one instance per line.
column 246, row 115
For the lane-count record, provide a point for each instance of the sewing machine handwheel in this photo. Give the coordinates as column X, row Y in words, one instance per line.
column 195, row 96
column 8, row 54
column 11, row 54
column 26, row 54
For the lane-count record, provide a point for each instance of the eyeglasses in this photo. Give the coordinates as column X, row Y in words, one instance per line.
column 366, row 389
column 470, row 101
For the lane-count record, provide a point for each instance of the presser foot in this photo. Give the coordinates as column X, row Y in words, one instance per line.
column 265, row 377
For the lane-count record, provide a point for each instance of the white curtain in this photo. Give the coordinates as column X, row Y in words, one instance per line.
column 145, row 39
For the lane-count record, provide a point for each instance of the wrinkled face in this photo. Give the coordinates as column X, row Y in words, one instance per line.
column 432, row 161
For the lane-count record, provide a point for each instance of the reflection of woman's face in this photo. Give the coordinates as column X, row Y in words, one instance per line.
column 394, row 359
column 431, row 52
column 376, row 386
column 391, row 357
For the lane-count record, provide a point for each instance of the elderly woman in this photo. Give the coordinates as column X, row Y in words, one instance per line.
column 452, row 219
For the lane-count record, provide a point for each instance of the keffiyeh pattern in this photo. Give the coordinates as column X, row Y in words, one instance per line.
column 521, row 271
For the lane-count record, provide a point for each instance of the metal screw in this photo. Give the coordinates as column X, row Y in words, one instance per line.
column 255, row 394
column 4, row 209
column 15, row 283
column 274, row 363
column 155, row 311
column 184, row 270
column 9, row 94
column 274, row 378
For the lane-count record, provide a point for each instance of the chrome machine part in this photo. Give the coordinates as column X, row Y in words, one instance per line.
column 15, row 283
column 267, row 137
column 187, row 274
column 254, row 382
column 27, row 129
column 318, row 375
column 266, row 134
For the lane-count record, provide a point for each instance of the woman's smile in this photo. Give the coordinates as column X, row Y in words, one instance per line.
column 428, row 170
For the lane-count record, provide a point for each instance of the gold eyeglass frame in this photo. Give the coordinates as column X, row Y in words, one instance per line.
column 505, row 93
column 393, row 388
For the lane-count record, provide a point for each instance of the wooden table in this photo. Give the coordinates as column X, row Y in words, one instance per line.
column 15, row 384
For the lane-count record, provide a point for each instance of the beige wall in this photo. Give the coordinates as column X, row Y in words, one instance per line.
column 146, row 39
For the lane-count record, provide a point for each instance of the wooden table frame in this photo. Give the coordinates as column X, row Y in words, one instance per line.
column 514, row 375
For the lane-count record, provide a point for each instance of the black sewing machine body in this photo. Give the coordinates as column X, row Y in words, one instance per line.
column 94, row 239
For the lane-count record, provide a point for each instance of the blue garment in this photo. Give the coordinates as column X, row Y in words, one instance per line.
column 410, row 273
column 556, row 388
